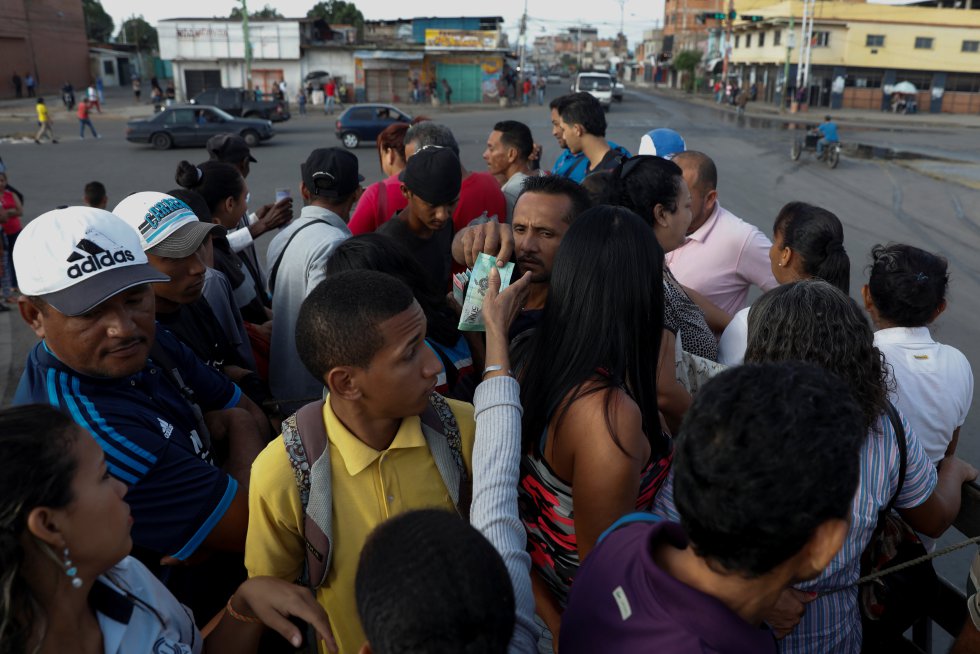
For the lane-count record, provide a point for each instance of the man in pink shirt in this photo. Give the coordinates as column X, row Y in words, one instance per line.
column 723, row 255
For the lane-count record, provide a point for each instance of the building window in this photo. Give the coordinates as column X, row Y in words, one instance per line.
column 762, row 39
column 971, row 46
column 821, row 39
column 777, row 37
column 923, row 43
column 737, row 39
column 874, row 40
column 748, row 40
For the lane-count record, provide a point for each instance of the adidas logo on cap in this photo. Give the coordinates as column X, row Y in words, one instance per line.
column 89, row 257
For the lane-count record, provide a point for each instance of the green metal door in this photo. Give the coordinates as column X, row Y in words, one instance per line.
column 464, row 80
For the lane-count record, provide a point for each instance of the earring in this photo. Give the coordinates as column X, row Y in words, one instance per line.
column 780, row 264
column 71, row 571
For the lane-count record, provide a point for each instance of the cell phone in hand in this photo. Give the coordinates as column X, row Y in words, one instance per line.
column 282, row 194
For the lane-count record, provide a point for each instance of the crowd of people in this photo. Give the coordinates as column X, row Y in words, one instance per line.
column 212, row 451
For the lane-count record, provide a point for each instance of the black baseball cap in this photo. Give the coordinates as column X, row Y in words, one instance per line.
column 331, row 173
column 434, row 174
column 230, row 148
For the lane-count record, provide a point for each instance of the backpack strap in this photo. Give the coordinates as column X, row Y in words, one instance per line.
column 274, row 271
column 442, row 436
column 903, row 453
column 305, row 437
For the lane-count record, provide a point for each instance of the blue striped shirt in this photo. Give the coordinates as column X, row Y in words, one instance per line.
column 832, row 622
column 149, row 436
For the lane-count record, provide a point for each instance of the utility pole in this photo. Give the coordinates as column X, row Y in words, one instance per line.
column 808, row 47
column 790, row 42
column 522, row 42
column 726, row 45
column 248, row 45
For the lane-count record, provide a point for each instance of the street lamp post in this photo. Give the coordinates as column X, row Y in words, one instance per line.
column 248, row 45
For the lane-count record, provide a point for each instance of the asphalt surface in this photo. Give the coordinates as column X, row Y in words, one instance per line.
column 878, row 200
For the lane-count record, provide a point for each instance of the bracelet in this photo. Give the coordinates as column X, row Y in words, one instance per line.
column 489, row 369
column 238, row 616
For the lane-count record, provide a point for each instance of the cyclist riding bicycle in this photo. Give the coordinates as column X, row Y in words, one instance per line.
column 828, row 134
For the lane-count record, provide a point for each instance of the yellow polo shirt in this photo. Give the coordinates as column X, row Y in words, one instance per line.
column 369, row 486
column 42, row 113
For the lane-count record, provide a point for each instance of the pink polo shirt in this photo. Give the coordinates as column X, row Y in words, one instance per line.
column 722, row 259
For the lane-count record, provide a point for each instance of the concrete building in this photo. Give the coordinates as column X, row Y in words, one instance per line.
column 45, row 38
column 860, row 51
column 682, row 28
column 117, row 64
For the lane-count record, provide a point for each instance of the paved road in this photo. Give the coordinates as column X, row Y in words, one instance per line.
column 878, row 201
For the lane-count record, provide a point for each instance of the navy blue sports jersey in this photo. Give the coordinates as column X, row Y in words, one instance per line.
column 149, row 435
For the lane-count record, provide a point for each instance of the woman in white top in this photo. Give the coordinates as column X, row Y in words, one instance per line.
column 933, row 382
column 69, row 584
column 807, row 243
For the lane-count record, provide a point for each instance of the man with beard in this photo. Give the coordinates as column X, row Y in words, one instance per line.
column 544, row 211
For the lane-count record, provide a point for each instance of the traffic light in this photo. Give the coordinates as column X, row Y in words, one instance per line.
column 755, row 18
column 715, row 15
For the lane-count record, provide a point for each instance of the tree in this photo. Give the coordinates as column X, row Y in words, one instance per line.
column 337, row 11
column 140, row 33
column 265, row 13
column 98, row 24
column 687, row 61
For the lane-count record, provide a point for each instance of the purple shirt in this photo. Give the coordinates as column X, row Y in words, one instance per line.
column 622, row 601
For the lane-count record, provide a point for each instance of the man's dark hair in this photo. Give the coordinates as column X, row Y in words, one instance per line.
column 907, row 284
column 429, row 583
column 338, row 322
column 558, row 103
column 94, row 193
column 514, row 134
column 784, row 441
column 705, row 167
column 583, row 109
column 558, row 185
column 430, row 133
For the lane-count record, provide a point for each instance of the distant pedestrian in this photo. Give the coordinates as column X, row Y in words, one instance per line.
column 170, row 94
column 741, row 101
column 30, row 83
column 258, row 94
column 718, row 93
column 341, row 94
column 44, row 121
column 83, row 119
column 301, row 101
column 95, row 195
column 156, row 97
column 93, row 97
column 330, row 92
column 11, row 210
column 542, row 85
column 18, row 85
column 526, row 88
column 68, row 96
column 137, row 89
column 448, row 90
column 100, row 89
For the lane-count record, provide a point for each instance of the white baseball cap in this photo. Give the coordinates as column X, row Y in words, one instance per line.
column 662, row 142
column 166, row 226
column 77, row 257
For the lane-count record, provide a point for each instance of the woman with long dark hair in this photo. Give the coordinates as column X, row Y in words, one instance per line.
column 384, row 254
column 816, row 322
column 226, row 194
column 594, row 446
column 68, row 583
column 807, row 243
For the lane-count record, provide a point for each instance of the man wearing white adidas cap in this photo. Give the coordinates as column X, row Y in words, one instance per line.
column 87, row 296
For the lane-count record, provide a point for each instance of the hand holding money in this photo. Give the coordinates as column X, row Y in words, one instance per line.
column 471, row 319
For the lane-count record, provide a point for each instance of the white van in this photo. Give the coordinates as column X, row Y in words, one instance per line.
column 598, row 85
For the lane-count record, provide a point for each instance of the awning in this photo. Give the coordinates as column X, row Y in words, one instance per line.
column 397, row 55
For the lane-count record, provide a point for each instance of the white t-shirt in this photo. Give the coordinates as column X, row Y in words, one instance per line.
column 934, row 385
column 152, row 622
column 735, row 338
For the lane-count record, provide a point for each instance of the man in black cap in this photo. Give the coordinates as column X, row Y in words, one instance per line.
column 296, row 261
column 430, row 182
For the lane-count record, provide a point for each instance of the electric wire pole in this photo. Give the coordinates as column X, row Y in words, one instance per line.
column 248, row 45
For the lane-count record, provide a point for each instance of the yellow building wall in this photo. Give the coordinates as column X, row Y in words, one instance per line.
column 850, row 21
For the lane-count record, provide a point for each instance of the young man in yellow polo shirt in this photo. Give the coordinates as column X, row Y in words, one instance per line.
column 362, row 333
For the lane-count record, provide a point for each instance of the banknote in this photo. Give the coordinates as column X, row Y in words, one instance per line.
column 471, row 319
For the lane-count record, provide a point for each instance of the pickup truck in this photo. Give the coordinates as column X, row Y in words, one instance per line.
column 240, row 102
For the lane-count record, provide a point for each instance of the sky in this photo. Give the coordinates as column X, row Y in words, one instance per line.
column 544, row 16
